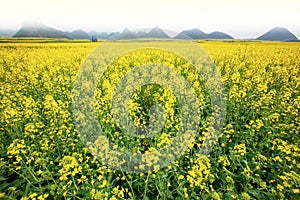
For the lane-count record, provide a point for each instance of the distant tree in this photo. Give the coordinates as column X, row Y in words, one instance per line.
column 94, row 39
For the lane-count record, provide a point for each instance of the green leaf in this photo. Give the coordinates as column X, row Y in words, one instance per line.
column 2, row 178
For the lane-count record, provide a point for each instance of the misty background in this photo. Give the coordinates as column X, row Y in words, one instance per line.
column 239, row 18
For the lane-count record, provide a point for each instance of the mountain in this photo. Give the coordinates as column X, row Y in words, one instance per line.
column 140, row 34
column 278, row 34
column 36, row 29
column 125, row 35
column 78, row 34
column 182, row 36
column 197, row 34
column 103, row 35
column 99, row 35
column 192, row 34
column 218, row 35
column 111, row 34
column 155, row 33
column 7, row 32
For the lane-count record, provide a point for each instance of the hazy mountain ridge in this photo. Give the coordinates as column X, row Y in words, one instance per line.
column 78, row 34
column 278, row 34
column 7, row 32
column 155, row 33
column 41, row 30
column 127, row 34
column 197, row 34
column 191, row 34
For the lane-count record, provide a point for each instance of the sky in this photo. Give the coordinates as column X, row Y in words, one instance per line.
column 239, row 18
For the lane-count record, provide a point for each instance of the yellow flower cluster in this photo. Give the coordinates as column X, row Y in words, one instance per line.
column 240, row 149
column 69, row 167
column 16, row 150
column 199, row 172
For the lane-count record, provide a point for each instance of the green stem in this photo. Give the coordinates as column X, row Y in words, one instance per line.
column 128, row 182
column 146, row 186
